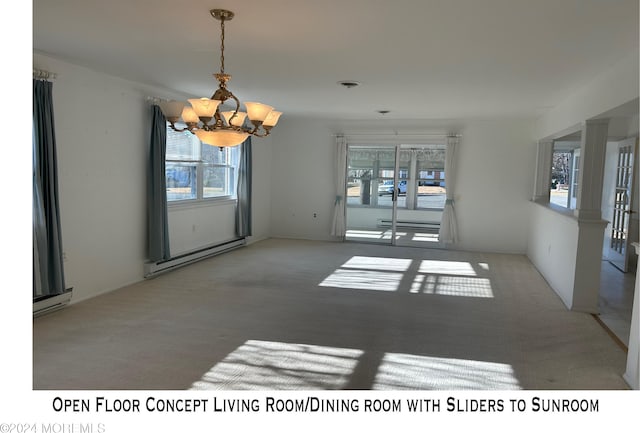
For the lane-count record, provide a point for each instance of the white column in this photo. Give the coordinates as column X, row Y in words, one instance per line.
column 412, row 182
column 590, row 178
column 632, row 375
column 375, row 182
column 586, row 281
column 589, row 214
column 543, row 172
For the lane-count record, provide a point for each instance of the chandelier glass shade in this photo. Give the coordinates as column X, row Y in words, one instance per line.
column 203, row 117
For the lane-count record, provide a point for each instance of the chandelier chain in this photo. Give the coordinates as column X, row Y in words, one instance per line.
column 222, row 45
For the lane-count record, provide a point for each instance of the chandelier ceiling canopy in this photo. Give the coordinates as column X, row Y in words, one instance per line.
column 204, row 118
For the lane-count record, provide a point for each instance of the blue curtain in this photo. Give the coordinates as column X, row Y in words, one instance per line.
column 158, row 226
column 243, row 209
column 48, row 270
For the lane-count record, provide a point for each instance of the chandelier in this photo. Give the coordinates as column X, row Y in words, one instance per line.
column 204, row 118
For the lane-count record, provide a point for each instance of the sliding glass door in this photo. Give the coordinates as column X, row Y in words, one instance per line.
column 372, row 192
column 395, row 193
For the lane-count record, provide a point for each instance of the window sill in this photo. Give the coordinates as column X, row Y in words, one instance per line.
column 430, row 209
column 365, row 206
column 569, row 213
column 557, row 209
column 210, row 202
column 562, row 210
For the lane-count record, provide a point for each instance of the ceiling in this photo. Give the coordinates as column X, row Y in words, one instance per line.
column 420, row 59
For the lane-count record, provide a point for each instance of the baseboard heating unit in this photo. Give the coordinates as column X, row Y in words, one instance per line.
column 153, row 269
column 49, row 304
column 426, row 226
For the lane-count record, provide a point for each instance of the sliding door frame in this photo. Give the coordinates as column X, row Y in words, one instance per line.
column 396, row 142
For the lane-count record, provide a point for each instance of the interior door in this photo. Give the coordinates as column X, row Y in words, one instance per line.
column 619, row 241
column 372, row 179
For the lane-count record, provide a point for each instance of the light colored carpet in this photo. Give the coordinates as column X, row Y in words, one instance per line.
column 292, row 314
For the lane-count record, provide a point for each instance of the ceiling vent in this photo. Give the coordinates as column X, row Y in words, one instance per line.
column 349, row 84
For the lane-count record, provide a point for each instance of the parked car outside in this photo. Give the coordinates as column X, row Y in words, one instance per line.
column 386, row 187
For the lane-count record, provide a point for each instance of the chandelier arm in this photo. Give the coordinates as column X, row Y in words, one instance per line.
column 260, row 135
column 206, row 121
column 232, row 96
column 173, row 126
column 223, row 94
column 218, row 117
column 257, row 131
column 223, row 127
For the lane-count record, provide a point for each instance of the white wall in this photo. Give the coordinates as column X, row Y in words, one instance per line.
column 491, row 193
column 102, row 128
column 563, row 249
column 556, row 260
column 192, row 227
column 613, row 88
column 493, row 186
column 634, row 126
column 261, row 189
column 302, row 180
column 632, row 373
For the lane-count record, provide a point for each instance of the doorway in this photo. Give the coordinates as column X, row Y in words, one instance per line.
column 395, row 193
column 619, row 261
column 620, row 208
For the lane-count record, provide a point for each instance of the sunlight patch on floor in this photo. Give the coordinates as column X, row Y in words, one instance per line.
column 452, row 286
column 384, row 235
column 446, row 267
column 434, row 277
column 268, row 365
column 400, row 371
column 363, row 280
column 378, row 263
column 368, row 234
column 426, row 237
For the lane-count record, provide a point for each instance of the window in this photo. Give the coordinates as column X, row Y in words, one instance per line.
column 197, row 171
column 565, row 165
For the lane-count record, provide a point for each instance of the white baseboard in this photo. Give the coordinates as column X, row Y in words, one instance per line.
column 52, row 303
column 153, row 269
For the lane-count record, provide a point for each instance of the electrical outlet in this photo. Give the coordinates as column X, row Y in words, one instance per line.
column 315, row 215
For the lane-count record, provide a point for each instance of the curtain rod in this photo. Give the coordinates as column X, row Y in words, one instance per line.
column 154, row 100
column 398, row 135
column 41, row 74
